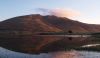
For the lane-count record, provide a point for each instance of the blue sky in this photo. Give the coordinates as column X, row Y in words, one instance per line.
column 89, row 9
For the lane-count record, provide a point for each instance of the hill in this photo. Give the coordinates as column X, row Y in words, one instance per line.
column 52, row 23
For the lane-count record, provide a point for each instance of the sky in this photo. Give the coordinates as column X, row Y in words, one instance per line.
column 88, row 10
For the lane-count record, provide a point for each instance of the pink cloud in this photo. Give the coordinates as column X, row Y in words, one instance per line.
column 60, row 12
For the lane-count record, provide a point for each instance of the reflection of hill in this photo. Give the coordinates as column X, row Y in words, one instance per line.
column 38, row 23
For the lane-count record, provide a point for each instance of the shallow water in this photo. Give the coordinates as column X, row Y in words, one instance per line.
column 4, row 53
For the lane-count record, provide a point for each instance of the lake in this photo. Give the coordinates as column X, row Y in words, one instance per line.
column 66, row 41
column 4, row 53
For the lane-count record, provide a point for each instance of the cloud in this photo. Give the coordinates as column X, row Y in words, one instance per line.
column 60, row 12
column 43, row 11
column 64, row 12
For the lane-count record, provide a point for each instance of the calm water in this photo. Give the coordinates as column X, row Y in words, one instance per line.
column 62, row 54
column 4, row 53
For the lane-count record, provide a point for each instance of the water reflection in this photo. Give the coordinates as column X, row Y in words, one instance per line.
column 62, row 54
column 55, row 46
column 4, row 53
column 67, row 54
column 46, row 44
